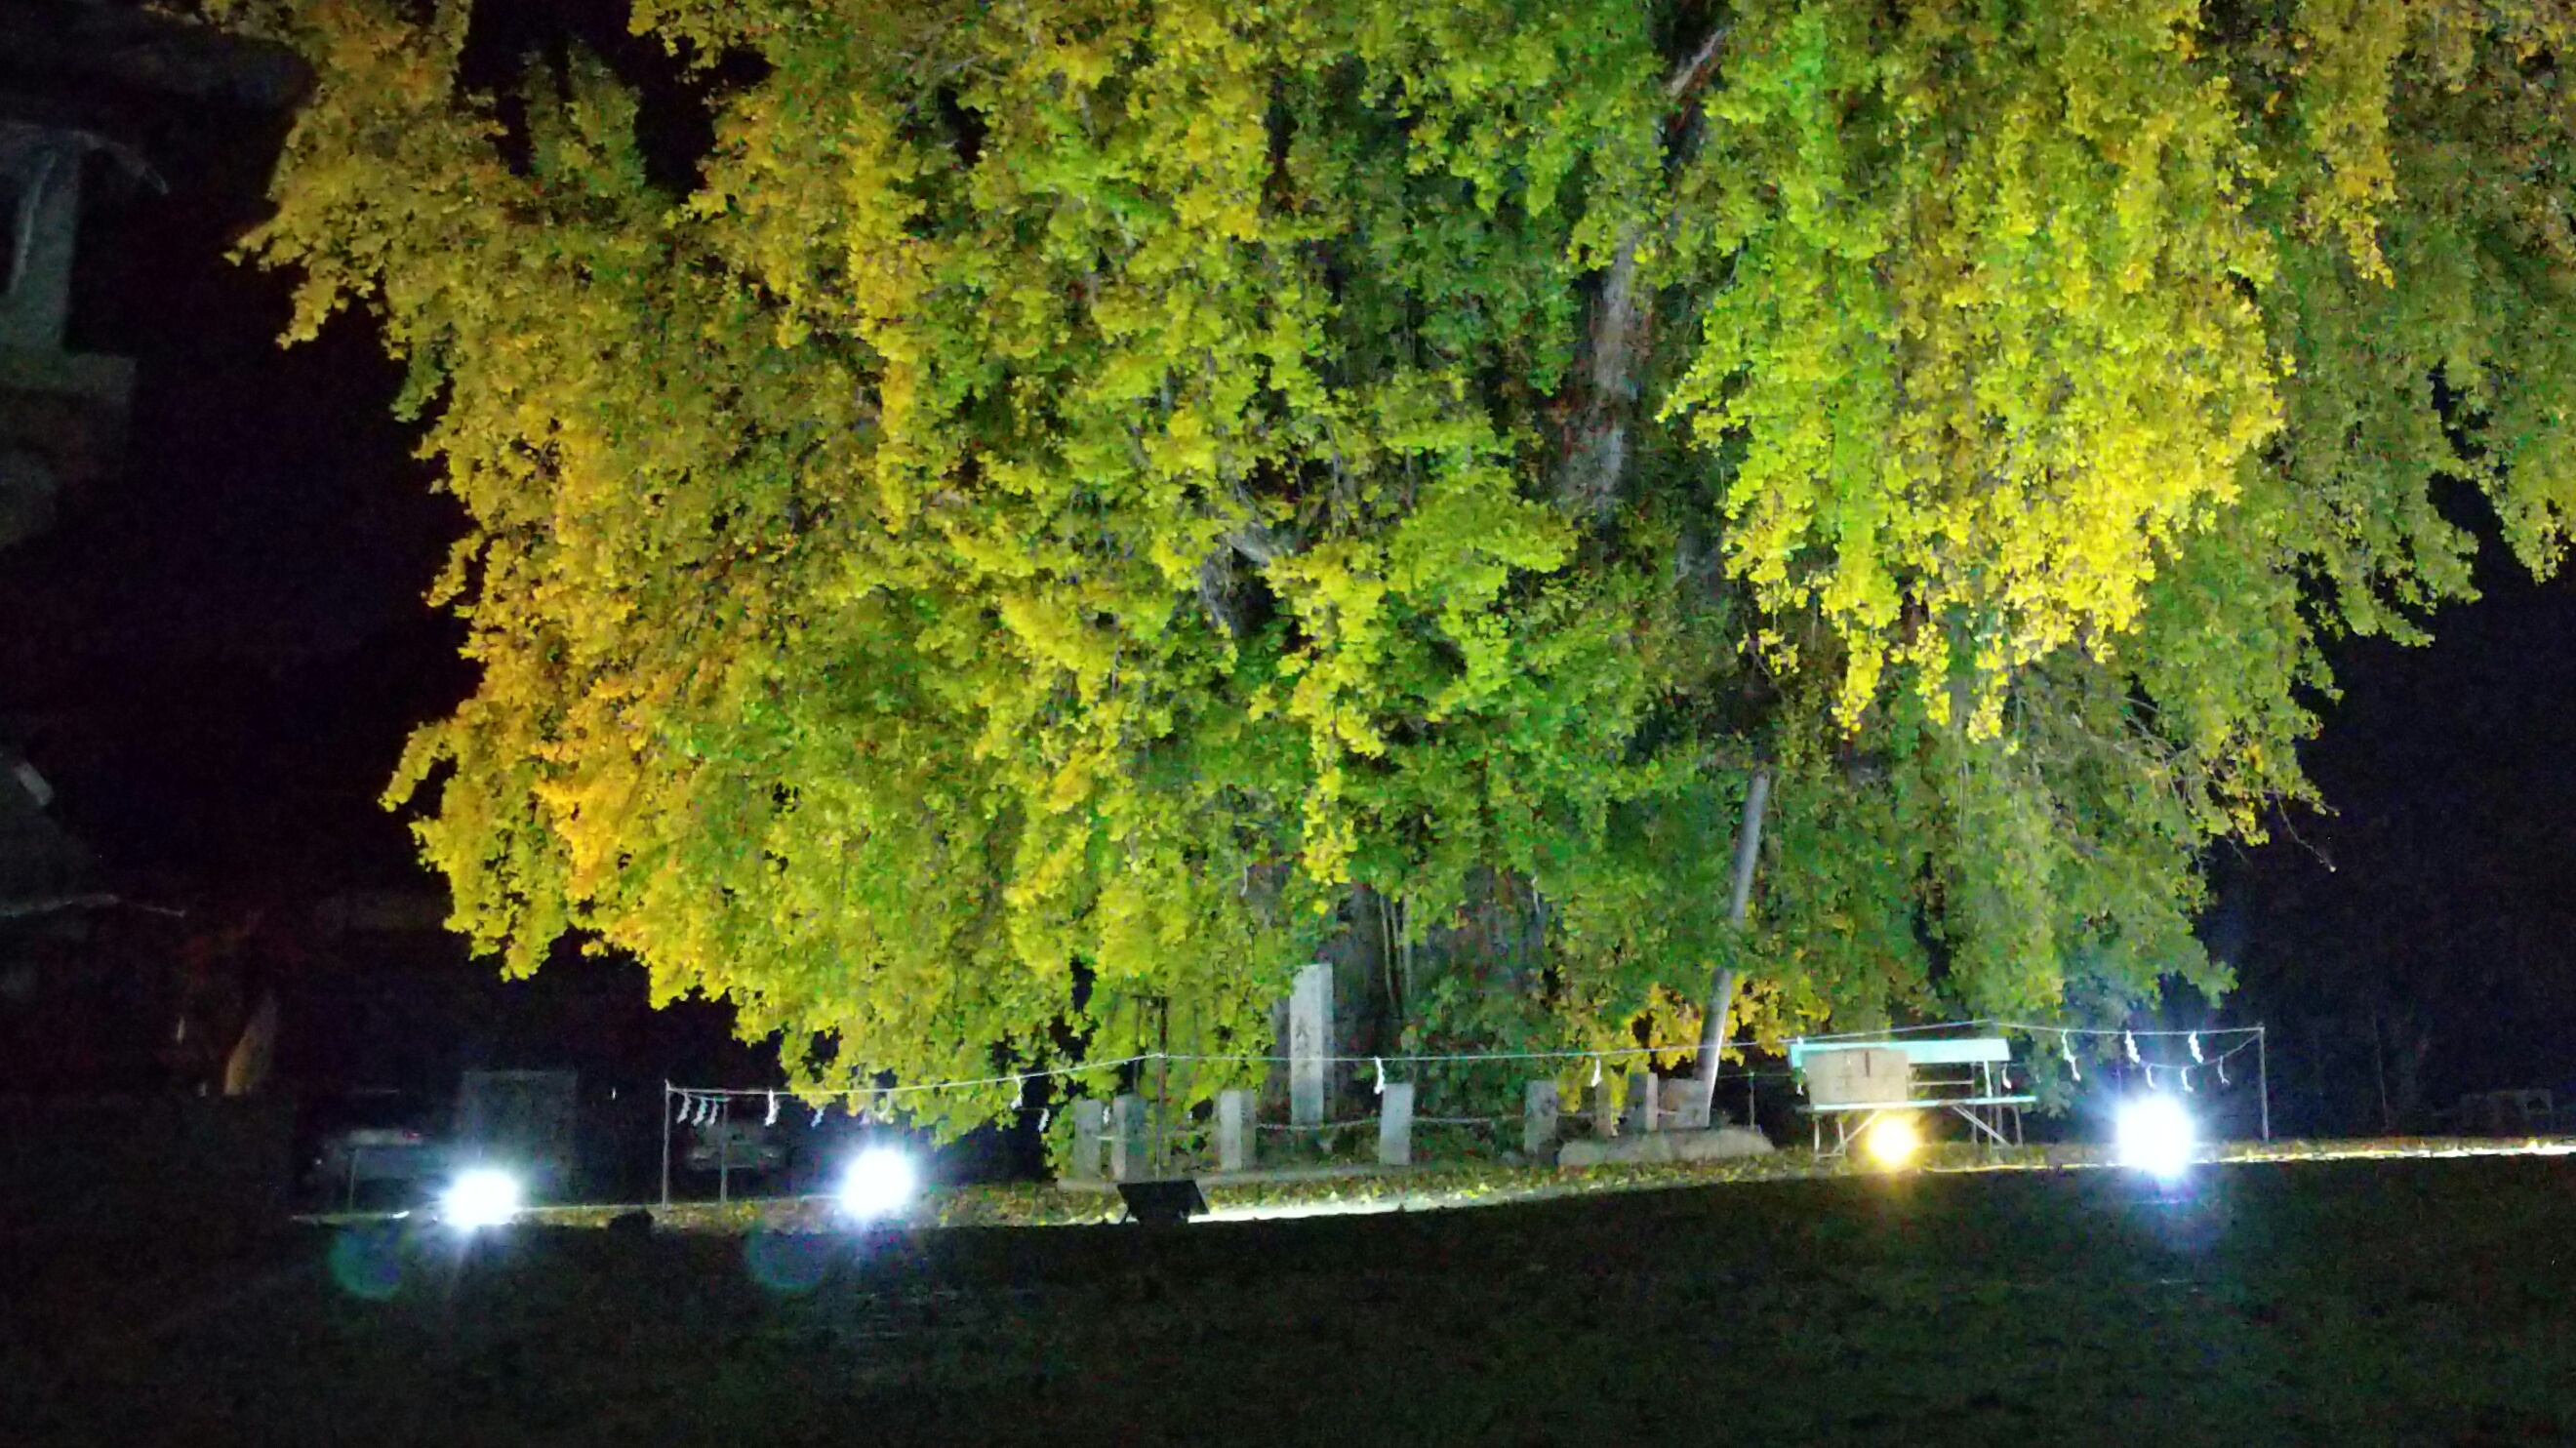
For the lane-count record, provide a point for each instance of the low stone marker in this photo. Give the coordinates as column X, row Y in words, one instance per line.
column 1605, row 1109
column 1685, row 1106
column 1127, row 1152
column 1538, row 1120
column 1660, row 1146
column 1090, row 1134
column 1395, row 1125
column 1645, row 1101
column 1237, row 1131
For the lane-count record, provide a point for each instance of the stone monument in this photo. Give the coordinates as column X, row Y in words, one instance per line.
column 1310, row 1044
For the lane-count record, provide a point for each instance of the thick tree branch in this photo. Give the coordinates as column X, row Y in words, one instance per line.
column 1259, row 543
column 1255, row 542
column 1694, row 76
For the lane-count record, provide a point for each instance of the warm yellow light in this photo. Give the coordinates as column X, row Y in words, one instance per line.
column 1892, row 1141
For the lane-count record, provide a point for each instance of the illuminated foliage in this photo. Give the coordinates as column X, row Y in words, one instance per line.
column 1076, row 486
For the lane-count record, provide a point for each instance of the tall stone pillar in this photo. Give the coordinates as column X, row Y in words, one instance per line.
column 1310, row 1044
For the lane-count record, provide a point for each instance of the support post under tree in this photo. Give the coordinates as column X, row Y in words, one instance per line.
column 1721, row 982
column 2263, row 1080
column 1163, row 1087
column 666, row 1142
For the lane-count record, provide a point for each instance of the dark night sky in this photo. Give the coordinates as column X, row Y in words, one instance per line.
column 216, row 655
column 2434, row 891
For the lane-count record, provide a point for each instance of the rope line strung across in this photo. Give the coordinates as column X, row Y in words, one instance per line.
column 698, row 1105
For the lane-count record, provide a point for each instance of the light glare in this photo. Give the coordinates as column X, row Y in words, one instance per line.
column 483, row 1197
column 2154, row 1134
column 879, row 1182
column 1892, row 1141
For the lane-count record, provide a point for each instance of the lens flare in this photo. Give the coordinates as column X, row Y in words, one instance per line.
column 483, row 1197
column 1891, row 1141
column 790, row 1264
column 367, row 1261
column 880, row 1180
column 2155, row 1135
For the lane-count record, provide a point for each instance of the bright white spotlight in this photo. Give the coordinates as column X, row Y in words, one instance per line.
column 483, row 1197
column 1892, row 1141
column 2153, row 1134
column 878, row 1183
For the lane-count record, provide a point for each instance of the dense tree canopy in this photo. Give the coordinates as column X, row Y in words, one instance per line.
column 1078, row 491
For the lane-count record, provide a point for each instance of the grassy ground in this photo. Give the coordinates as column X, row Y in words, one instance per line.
column 2385, row 1301
column 1309, row 1191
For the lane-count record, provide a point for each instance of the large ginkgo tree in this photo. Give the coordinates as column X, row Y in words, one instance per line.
column 1063, row 497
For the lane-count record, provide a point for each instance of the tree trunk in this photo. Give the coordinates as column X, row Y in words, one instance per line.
column 1622, row 328
column 1597, row 438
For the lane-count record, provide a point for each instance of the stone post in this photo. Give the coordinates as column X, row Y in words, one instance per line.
column 1645, row 1101
column 1605, row 1109
column 1090, row 1128
column 1127, row 1146
column 1538, row 1120
column 1688, row 1107
column 1236, row 1130
column 1395, row 1125
column 1310, row 1042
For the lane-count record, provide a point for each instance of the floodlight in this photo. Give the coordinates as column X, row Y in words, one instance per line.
column 483, row 1197
column 1892, row 1141
column 2155, row 1135
column 878, row 1183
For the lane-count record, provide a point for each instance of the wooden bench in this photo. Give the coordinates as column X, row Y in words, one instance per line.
column 1853, row 1083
